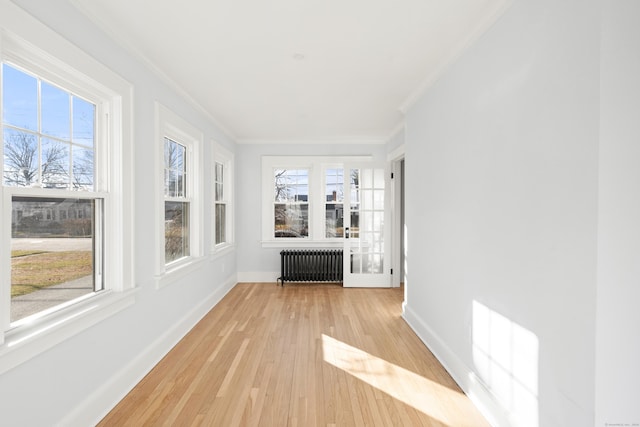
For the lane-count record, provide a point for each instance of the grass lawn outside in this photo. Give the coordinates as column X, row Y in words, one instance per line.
column 33, row 270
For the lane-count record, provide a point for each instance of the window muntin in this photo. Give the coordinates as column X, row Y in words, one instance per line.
column 177, row 202
column 291, row 203
column 48, row 134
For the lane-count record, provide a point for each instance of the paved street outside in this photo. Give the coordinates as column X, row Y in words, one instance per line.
column 51, row 244
column 26, row 305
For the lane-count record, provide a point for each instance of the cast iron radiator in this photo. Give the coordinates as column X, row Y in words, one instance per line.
column 310, row 265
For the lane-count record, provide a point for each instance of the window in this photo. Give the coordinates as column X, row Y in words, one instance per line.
column 291, row 203
column 303, row 200
column 176, row 202
column 65, row 159
column 334, row 199
column 220, row 204
column 222, row 198
column 48, row 143
column 179, row 228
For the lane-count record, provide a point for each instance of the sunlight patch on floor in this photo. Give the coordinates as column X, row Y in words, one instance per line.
column 424, row 395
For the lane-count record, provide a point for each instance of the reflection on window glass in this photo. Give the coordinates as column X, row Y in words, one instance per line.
column 176, row 230
column 45, row 152
column 291, row 185
column 291, row 207
column 53, row 254
column 334, row 220
column 291, row 220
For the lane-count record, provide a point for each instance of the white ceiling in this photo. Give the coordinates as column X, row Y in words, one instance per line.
column 298, row 70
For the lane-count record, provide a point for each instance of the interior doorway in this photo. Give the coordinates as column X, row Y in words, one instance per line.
column 397, row 166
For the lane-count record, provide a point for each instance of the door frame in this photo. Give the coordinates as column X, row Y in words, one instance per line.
column 394, row 160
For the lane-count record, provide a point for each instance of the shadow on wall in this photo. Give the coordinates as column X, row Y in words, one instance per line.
column 506, row 356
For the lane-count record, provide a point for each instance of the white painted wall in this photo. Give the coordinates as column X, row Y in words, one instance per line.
column 502, row 187
column 258, row 264
column 618, row 313
column 76, row 382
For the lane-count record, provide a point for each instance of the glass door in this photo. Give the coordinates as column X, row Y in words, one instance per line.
column 366, row 249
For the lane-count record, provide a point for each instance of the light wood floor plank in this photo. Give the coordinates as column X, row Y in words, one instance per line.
column 302, row 355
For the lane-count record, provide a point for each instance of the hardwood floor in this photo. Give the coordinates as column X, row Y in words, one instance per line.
column 302, row 355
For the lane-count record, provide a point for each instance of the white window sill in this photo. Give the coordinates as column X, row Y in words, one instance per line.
column 222, row 250
column 178, row 270
column 32, row 337
column 303, row 243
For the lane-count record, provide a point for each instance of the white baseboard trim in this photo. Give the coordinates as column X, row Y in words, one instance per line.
column 258, row 276
column 466, row 378
column 98, row 404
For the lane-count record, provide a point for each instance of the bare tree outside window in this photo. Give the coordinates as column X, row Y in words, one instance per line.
column 21, row 165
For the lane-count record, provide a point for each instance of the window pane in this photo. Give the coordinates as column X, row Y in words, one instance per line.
column 291, row 185
column 219, row 192
column 174, row 165
column 55, row 112
column 83, row 168
column 219, row 182
column 29, row 162
column 291, row 220
column 55, row 164
column 19, row 99
column 52, row 253
column 221, row 221
column 84, row 118
column 20, row 158
column 176, row 230
column 355, row 221
column 334, row 188
column 334, row 220
column 219, row 172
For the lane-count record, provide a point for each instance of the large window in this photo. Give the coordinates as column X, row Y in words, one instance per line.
column 303, row 200
column 48, row 143
column 65, row 158
column 179, row 227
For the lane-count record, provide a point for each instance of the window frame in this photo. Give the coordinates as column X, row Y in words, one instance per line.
column 226, row 158
column 27, row 44
column 172, row 126
column 317, row 165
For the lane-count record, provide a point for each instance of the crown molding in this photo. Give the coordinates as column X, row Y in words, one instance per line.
column 121, row 41
column 343, row 140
